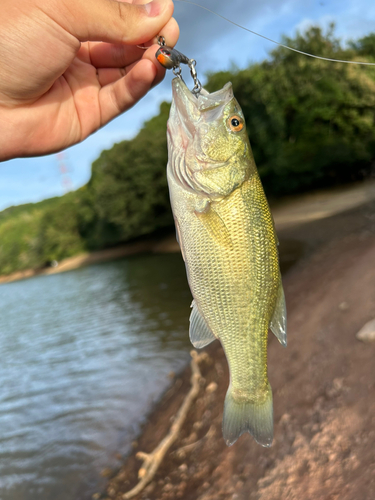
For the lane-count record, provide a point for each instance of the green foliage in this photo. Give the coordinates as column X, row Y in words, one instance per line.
column 310, row 123
column 59, row 234
column 33, row 235
column 129, row 188
column 365, row 46
column 18, row 242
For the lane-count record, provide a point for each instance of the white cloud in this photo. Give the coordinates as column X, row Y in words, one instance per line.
column 306, row 23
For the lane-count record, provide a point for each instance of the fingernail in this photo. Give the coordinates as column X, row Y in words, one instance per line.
column 153, row 8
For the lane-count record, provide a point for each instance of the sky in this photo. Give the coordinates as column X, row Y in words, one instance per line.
column 216, row 45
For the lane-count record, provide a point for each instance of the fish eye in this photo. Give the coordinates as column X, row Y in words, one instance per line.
column 236, row 123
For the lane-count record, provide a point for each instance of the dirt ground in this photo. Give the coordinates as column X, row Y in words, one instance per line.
column 323, row 386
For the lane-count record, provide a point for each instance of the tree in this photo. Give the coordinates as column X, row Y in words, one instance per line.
column 129, row 185
column 310, row 122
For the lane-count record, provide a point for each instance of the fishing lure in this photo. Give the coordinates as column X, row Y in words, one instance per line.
column 171, row 58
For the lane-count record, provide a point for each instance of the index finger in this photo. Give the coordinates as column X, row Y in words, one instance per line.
column 108, row 55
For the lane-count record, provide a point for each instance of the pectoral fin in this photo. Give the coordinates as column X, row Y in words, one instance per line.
column 216, row 227
column 200, row 334
column 278, row 322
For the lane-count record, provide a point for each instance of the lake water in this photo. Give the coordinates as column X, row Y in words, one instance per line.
column 84, row 355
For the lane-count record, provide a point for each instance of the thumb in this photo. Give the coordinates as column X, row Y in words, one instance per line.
column 115, row 22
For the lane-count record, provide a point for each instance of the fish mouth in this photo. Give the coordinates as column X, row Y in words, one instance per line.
column 190, row 108
column 191, row 118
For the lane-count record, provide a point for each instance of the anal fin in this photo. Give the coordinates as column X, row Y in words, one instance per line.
column 278, row 321
column 200, row 334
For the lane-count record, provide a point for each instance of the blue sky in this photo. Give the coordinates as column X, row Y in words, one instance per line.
column 215, row 44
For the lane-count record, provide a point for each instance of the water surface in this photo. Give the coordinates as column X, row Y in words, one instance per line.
column 84, row 355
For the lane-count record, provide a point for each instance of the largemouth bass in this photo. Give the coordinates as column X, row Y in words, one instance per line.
column 227, row 239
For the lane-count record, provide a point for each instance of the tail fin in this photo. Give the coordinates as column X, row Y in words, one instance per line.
column 248, row 416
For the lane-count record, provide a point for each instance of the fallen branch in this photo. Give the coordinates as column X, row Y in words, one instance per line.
column 180, row 452
column 151, row 461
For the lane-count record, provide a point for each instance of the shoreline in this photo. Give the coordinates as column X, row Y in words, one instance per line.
column 287, row 213
column 168, row 244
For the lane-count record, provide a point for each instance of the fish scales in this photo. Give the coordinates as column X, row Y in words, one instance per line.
column 227, row 237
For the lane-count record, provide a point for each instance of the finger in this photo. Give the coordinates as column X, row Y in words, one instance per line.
column 149, row 55
column 124, row 93
column 112, row 21
column 107, row 55
column 106, row 76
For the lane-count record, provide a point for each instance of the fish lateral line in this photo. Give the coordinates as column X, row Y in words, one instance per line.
column 362, row 63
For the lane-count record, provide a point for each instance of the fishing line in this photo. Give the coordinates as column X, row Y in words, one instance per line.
column 273, row 41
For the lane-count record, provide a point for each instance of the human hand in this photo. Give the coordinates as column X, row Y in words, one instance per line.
column 68, row 67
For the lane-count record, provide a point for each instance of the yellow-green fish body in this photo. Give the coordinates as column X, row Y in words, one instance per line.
column 227, row 238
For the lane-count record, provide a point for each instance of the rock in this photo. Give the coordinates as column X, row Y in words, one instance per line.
column 344, row 306
column 111, row 492
column 367, row 332
column 211, row 387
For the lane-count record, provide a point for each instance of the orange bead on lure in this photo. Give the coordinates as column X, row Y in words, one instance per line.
column 170, row 58
column 227, row 238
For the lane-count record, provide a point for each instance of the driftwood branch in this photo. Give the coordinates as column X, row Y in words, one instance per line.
column 190, row 447
column 151, row 461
